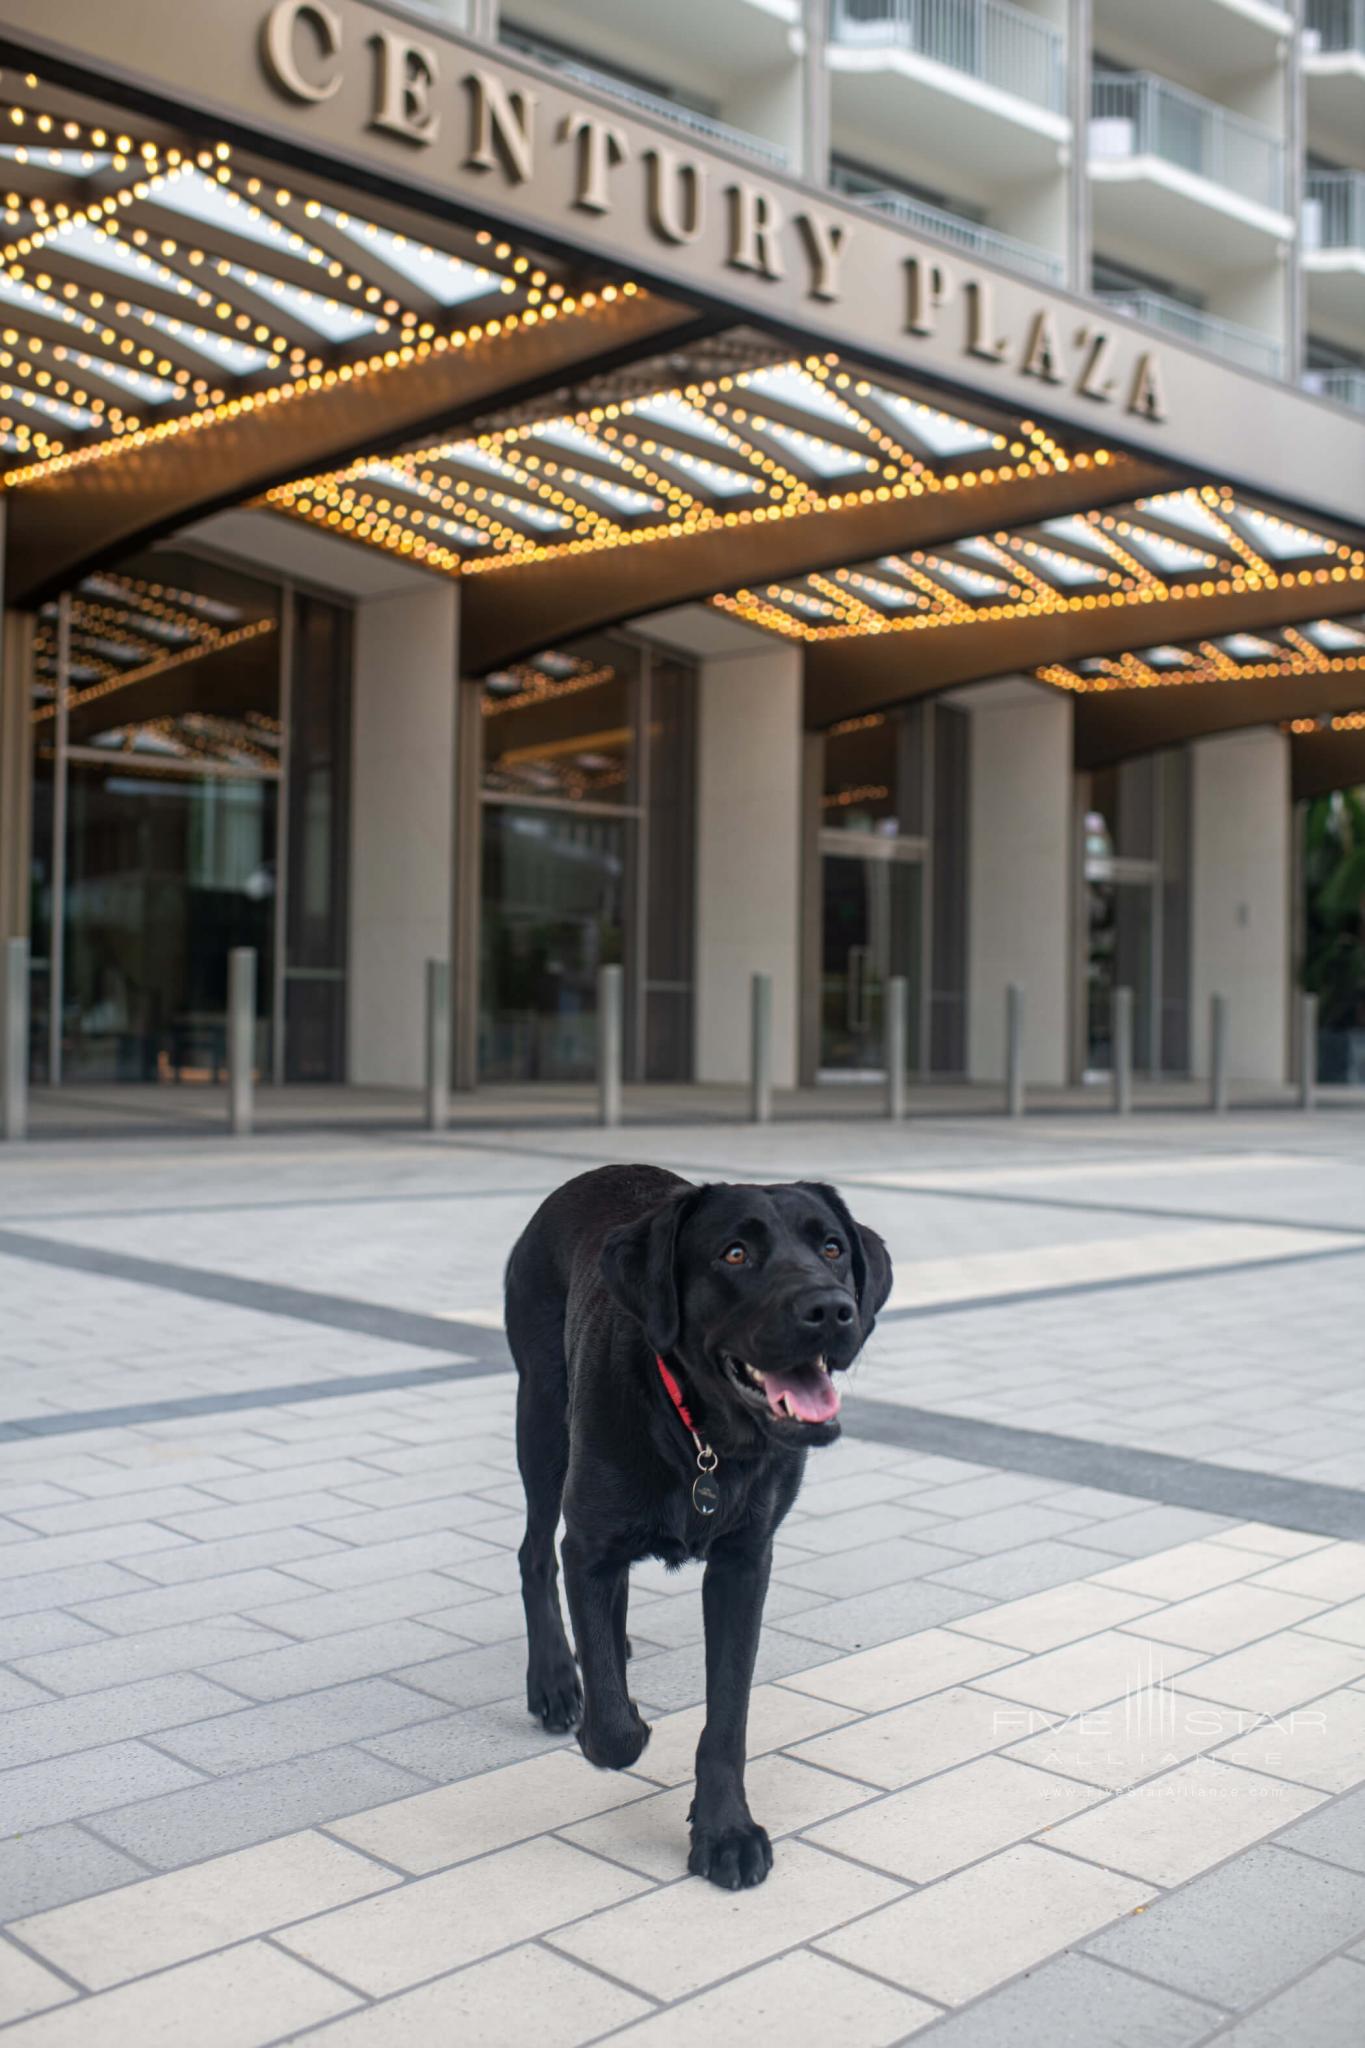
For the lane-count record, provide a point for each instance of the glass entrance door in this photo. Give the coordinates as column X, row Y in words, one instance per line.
column 1122, row 910
column 871, row 914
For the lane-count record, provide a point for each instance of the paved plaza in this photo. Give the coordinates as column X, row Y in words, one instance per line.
column 1059, row 1721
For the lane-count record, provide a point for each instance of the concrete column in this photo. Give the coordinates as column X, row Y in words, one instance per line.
column 749, row 755
column 1239, row 900
column 1018, row 874
column 402, row 825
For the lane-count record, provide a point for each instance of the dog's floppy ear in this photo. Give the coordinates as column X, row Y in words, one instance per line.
column 639, row 1265
column 871, row 1259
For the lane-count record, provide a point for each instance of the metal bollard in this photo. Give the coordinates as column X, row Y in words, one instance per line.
column 1014, row 1050
column 761, row 1050
column 1308, row 1051
column 438, row 1045
column 897, row 1013
column 1218, row 1055
column 610, row 993
column 1123, row 1051
column 241, row 1038
column 14, row 1039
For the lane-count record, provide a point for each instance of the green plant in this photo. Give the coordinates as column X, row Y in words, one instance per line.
column 1334, row 882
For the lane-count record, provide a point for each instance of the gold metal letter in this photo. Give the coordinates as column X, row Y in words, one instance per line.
column 824, row 243
column 1095, row 380
column 277, row 47
column 405, row 72
column 501, row 127
column 600, row 148
column 755, row 221
column 927, row 286
column 981, row 337
column 675, row 195
column 1041, row 355
column 1147, row 398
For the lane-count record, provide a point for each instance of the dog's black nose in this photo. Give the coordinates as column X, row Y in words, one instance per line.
column 825, row 1308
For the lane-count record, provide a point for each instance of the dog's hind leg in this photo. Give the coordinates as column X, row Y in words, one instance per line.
column 536, row 1335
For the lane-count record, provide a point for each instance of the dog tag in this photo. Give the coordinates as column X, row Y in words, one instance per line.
column 705, row 1493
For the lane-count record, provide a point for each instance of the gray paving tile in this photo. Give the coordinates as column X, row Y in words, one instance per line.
column 62, row 1588
column 849, row 1572
column 234, row 1554
column 1154, row 1528
column 1337, row 1833
column 60, row 1727
column 677, row 1678
column 28, row 1635
column 69, row 1787
column 52, row 1866
column 882, row 1616
column 298, row 1727
column 1076, row 2002
column 1235, row 1935
column 1009, row 1528
column 470, row 1678
column 1032, row 1568
column 17, row 1692
column 461, row 1745
column 1326, row 2010
column 118, row 1660
column 192, row 1600
column 210, row 1818
column 439, row 1550
column 331, row 1660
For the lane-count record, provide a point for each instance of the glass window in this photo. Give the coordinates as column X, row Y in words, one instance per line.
column 874, row 774
column 319, row 794
column 560, row 726
column 172, row 767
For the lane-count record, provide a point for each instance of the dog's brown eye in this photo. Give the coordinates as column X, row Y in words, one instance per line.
column 734, row 1255
column 832, row 1248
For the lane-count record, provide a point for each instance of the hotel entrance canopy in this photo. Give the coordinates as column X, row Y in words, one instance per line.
column 328, row 260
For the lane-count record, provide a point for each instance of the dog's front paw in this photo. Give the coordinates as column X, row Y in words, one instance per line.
column 616, row 1747
column 734, row 1858
column 555, row 1696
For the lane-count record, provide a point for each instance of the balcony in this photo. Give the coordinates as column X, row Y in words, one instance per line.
column 655, row 105
column 1334, row 253
column 1179, row 174
column 1224, row 338
column 973, row 86
column 1025, row 257
column 1199, row 41
column 1346, row 387
column 1333, row 53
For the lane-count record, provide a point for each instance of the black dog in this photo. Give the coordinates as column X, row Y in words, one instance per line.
column 675, row 1346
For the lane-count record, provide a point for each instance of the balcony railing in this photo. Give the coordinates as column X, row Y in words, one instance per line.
column 1140, row 115
column 1014, row 52
column 966, row 234
column 1333, row 25
column 1334, row 217
column 1347, row 387
column 1223, row 337
column 654, row 103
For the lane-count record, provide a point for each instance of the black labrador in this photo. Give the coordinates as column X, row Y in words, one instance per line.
column 676, row 1348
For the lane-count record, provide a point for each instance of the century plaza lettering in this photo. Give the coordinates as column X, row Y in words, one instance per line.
column 302, row 50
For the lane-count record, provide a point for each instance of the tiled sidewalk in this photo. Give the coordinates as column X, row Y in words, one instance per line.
column 1045, row 1763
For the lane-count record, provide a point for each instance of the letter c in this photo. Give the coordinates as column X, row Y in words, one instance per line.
column 277, row 46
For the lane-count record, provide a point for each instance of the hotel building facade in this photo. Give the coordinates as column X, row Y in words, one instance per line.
column 835, row 488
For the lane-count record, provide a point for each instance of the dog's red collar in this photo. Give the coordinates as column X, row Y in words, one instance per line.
column 705, row 1491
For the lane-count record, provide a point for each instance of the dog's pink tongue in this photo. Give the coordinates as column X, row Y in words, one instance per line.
column 813, row 1395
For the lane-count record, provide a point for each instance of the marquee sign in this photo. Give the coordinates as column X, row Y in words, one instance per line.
column 358, row 91
column 472, row 118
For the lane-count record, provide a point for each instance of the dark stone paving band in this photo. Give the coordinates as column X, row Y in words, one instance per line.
column 1115, row 1468
column 1147, row 1475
